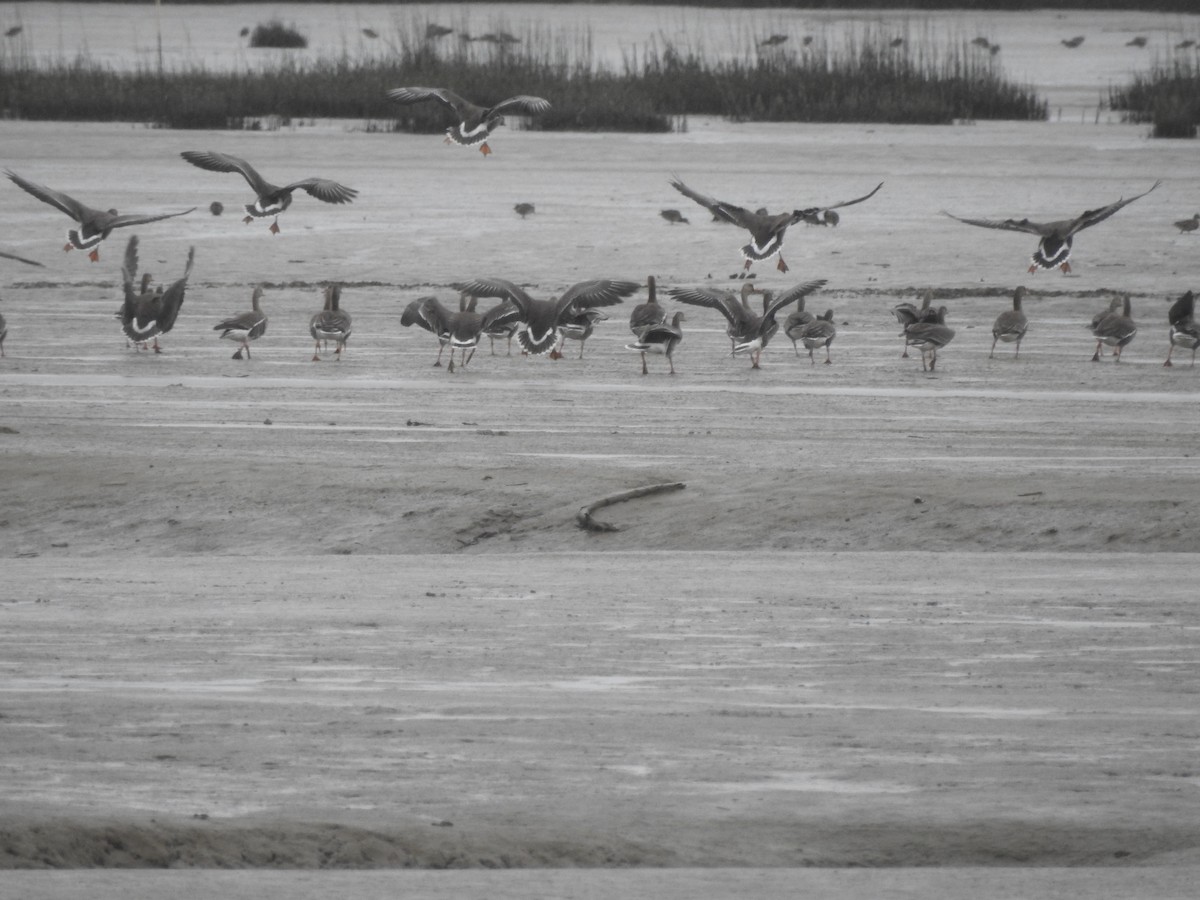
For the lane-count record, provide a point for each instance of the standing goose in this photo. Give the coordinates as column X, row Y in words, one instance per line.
column 1055, row 238
column 647, row 314
column 541, row 321
column 92, row 225
column 1184, row 330
column 245, row 327
column 416, row 314
column 270, row 199
column 462, row 329
column 820, row 332
column 1116, row 329
column 475, row 123
column 766, row 230
column 1010, row 325
column 579, row 327
column 501, row 321
column 749, row 332
column 662, row 337
column 330, row 324
column 929, row 337
column 147, row 314
column 795, row 322
column 907, row 313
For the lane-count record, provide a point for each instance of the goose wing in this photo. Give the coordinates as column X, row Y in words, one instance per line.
column 72, row 207
column 323, row 189
column 126, row 219
column 448, row 99
column 28, row 262
column 852, row 202
column 1090, row 217
column 172, row 298
column 224, row 162
column 435, row 316
column 597, row 292
column 736, row 215
column 792, row 294
column 496, row 287
column 501, row 315
column 726, row 303
column 523, row 102
column 1182, row 309
column 129, row 268
column 1006, row 224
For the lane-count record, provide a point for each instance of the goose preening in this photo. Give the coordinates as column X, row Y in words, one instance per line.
column 1010, row 326
column 796, row 320
column 662, row 337
column 541, row 321
column 929, row 336
column 750, row 333
column 332, row 323
column 1055, row 238
column 1184, row 330
column 146, row 314
column 460, row 329
column 415, row 314
column 474, row 123
column 1114, row 329
column 92, row 225
column 766, row 230
column 269, row 199
column 579, row 327
column 245, row 327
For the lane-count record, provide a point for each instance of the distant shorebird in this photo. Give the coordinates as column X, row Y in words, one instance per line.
column 475, row 123
column 245, row 327
column 773, row 41
column 766, row 231
column 1138, row 41
column 92, row 225
column 674, row 216
column 1010, row 326
column 147, row 314
column 1184, row 330
column 332, row 323
column 1116, row 330
column 270, row 199
column 1073, row 42
column 524, row 209
column 433, row 30
column 1188, row 225
column 1054, row 246
column 662, row 338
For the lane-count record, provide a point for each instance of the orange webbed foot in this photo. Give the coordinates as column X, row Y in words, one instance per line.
column 274, row 229
column 67, row 248
column 781, row 265
column 485, row 149
column 94, row 256
column 247, row 220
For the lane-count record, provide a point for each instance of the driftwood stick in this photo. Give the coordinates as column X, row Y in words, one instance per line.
column 584, row 517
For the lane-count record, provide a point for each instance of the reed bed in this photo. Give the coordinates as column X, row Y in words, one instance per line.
column 1168, row 96
column 871, row 77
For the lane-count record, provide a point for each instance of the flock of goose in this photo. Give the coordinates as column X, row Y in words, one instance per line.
column 541, row 326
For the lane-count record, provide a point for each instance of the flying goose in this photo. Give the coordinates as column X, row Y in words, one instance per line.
column 647, row 314
column 1010, row 325
column 146, row 314
column 92, row 225
column 541, row 321
column 475, row 123
column 662, row 337
column 330, row 324
column 820, row 332
column 929, row 337
column 1184, row 330
column 1116, row 329
column 749, row 333
column 766, row 230
column 1054, row 244
column 270, row 199
column 245, row 327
